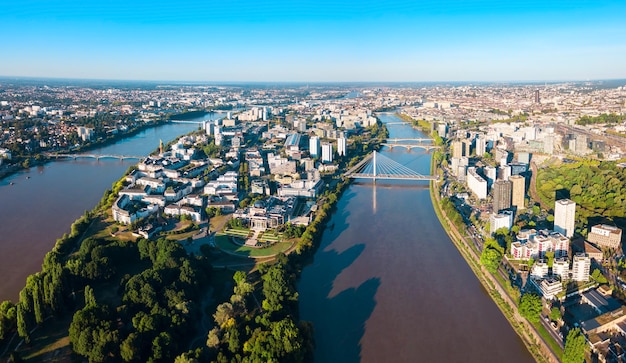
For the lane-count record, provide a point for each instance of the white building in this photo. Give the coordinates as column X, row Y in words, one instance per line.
column 476, row 183
column 327, row 152
column 84, row 133
column 314, row 146
column 341, row 146
column 565, row 217
column 560, row 267
column 481, row 146
column 531, row 244
column 550, row 287
column 539, row 270
column 581, row 264
column 504, row 219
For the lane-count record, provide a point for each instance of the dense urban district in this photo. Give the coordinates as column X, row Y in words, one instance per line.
column 194, row 254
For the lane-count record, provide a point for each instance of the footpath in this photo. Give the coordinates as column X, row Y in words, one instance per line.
column 536, row 344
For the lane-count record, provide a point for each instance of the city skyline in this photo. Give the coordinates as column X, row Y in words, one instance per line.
column 322, row 41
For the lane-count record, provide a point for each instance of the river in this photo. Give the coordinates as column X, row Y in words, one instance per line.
column 388, row 285
column 38, row 205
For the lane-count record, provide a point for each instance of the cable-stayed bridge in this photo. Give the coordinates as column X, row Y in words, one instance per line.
column 378, row 166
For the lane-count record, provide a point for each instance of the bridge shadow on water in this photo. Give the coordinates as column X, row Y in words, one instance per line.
column 328, row 309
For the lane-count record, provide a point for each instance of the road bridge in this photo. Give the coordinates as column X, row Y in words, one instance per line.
column 95, row 156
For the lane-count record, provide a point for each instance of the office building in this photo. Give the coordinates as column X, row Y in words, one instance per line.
column 501, row 195
column 565, row 217
column 518, row 191
column 605, row 236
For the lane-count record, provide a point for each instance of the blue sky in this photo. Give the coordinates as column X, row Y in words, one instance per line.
column 315, row 41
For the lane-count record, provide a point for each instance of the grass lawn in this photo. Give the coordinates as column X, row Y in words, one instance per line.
column 224, row 243
column 548, row 338
column 238, row 232
column 50, row 342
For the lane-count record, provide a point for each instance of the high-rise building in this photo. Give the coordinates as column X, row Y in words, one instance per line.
column 501, row 195
column 518, row 191
column 341, row 146
column 481, row 146
column 327, row 152
column 314, row 146
column 565, row 217
column 581, row 264
column 476, row 183
column 504, row 172
column 537, row 99
column 458, row 149
column 491, row 174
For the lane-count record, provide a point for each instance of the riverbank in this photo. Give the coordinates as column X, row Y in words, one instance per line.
column 538, row 348
column 39, row 159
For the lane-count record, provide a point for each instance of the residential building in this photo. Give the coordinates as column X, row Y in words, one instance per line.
column 481, row 146
column 539, row 270
column 314, row 146
column 560, row 267
column 565, row 217
column 532, row 244
column 341, row 146
column 581, row 264
column 476, row 183
column 458, row 149
column 504, row 219
column 327, row 152
column 550, row 287
column 501, row 195
column 518, row 191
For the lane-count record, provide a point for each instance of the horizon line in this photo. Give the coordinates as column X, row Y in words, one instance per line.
column 198, row 82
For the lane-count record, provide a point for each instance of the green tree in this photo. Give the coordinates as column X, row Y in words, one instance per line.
column 550, row 258
column 492, row 255
column 575, row 343
column 555, row 314
column 23, row 318
column 8, row 316
column 599, row 277
column 131, row 348
column 530, row 307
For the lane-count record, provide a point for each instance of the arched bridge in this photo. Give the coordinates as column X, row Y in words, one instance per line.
column 421, row 143
column 377, row 166
column 95, row 156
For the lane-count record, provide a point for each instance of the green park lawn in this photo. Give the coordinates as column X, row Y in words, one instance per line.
column 224, row 243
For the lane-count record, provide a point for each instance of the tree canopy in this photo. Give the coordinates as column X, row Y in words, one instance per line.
column 575, row 343
column 530, row 307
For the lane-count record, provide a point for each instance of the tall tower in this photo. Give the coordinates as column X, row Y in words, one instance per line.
column 518, row 191
column 314, row 146
column 341, row 146
column 537, row 99
column 327, row 152
column 501, row 195
column 565, row 217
